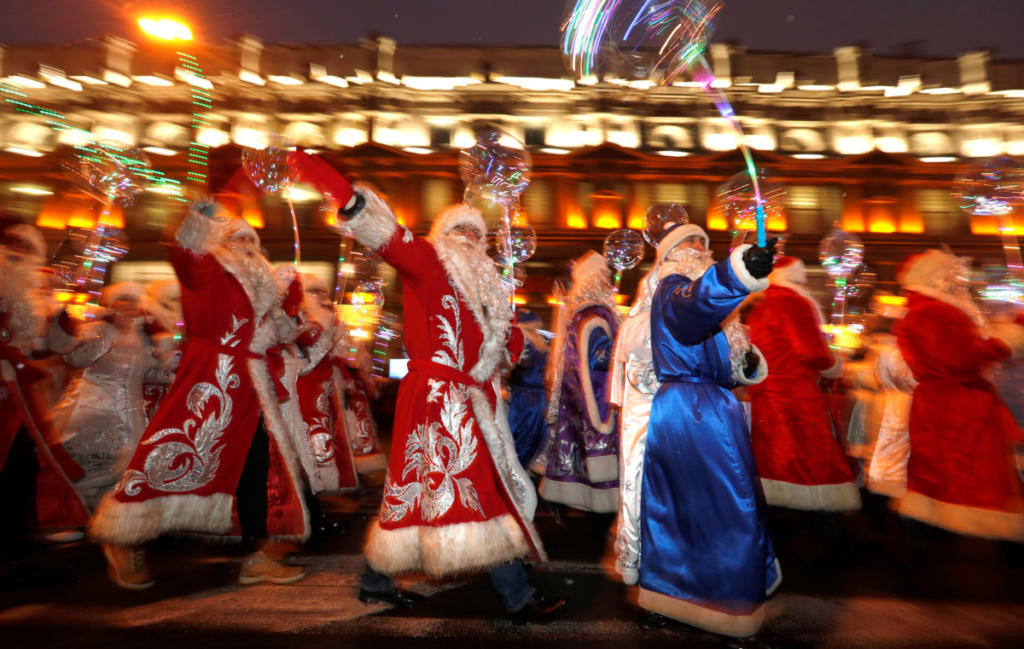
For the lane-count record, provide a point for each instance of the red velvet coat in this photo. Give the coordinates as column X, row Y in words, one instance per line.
column 320, row 427
column 961, row 473
column 799, row 459
column 452, row 500
column 184, row 473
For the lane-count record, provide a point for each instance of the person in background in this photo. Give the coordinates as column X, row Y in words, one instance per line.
column 579, row 460
column 961, row 475
column 528, row 402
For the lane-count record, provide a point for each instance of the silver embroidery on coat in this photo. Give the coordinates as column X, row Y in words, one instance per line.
column 321, row 439
column 190, row 460
column 435, row 454
column 451, row 335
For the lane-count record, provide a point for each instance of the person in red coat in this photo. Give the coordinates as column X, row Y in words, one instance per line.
column 961, row 474
column 36, row 475
column 316, row 382
column 456, row 500
column 799, row 459
column 189, row 464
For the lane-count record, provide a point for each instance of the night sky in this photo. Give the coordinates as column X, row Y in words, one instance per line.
column 927, row 27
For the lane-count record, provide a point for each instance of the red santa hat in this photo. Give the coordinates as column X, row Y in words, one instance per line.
column 455, row 215
column 676, row 235
column 788, row 271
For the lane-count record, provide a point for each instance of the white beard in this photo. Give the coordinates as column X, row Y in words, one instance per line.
column 20, row 299
column 255, row 274
column 477, row 281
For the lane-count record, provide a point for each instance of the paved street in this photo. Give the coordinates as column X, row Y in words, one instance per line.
column 938, row 591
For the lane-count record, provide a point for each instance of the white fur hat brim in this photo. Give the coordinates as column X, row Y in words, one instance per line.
column 676, row 235
column 588, row 265
column 455, row 215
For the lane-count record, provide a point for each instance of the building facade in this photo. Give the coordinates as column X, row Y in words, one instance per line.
column 872, row 143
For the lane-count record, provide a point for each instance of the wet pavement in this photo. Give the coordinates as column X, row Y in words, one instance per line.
column 888, row 585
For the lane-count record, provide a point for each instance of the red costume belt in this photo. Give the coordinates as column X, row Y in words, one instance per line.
column 439, row 371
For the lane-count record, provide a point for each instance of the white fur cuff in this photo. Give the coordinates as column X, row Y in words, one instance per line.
column 374, row 225
column 199, row 233
column 739, row 268
column 835, row 371
column 760, row 375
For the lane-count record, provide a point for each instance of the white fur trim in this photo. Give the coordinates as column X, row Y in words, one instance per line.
column 703, row 617
column 604, row 468
column 199, row 233
column 455, row 215
column 513, row 477
column 57, row 340
column 739, row 269
column 835, row 371
column 844, row 496
column 374, row 225
column 278, row 431
column 446, row 550
column 676, row 235
column 1011, row 334
column 586, row 385
column 588, row 264
column 962, row 519
column 481, row 290
column 580, row 496
column 137, row 522
column 760, row 375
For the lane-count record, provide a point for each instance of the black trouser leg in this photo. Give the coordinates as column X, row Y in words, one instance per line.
column 18, row 497
column 251, row 494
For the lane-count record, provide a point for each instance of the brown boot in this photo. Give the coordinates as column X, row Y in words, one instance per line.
column 259, row 567
column 126, row 566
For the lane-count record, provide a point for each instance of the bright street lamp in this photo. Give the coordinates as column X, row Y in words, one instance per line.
column 166, row 29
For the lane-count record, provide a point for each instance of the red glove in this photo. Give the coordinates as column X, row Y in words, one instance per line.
column 327, row 180
column 293, row 298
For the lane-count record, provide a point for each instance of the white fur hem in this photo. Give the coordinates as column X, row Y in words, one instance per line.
column 199, row 233
column 703, row 617
column 835, row 371
column 604, row 468
column 844, row 496
column 580, row 496
column 374, row 225
column 445, row 550
column 762, row 370
column 739, row 269
column 963, row 519
column 137, row 522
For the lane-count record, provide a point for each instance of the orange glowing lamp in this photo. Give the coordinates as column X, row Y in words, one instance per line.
column 166, row 29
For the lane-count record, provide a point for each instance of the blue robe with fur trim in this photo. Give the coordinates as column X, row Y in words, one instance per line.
column 707, row 558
